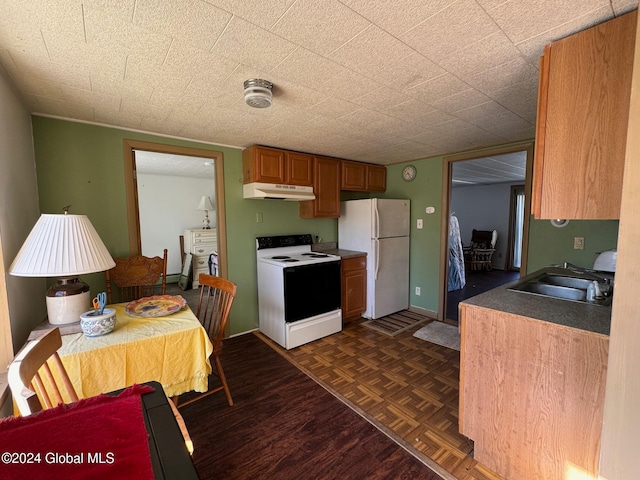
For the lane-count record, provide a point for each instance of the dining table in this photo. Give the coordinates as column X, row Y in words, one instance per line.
column 173, row 350
column 128, row 433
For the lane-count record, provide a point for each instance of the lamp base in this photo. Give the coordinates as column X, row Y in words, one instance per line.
column 206, row 224
column 66, row 300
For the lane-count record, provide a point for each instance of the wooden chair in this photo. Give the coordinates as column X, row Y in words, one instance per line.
column 37, row 376
column 478, row 255
column 137, row 276
column 216, row 298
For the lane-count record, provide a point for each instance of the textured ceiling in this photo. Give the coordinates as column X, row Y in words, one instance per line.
column 508, row 167
column 382, row 81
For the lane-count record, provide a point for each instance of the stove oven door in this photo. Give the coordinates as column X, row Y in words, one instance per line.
column 310, row 290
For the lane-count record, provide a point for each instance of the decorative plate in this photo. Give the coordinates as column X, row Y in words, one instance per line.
column 156, row 306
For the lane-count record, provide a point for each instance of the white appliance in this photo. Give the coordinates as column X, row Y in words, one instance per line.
column 380, row 227
column 299, row 294
column 277, row 191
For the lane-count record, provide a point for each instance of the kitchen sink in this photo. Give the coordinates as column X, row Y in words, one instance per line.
column 563, row 284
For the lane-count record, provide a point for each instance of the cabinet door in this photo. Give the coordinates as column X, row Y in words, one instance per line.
column 261, row 164
column 326, row 186
column 353, row 176
column 376, row 178
column 299, row 169
column 354, row 287
column 583, row 109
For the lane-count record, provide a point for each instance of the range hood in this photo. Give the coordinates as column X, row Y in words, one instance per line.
column 276, row 191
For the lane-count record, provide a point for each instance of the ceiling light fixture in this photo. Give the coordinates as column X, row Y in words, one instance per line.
column 258, row 93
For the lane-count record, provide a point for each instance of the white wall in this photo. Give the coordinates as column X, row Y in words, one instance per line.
column 484, row 207
column 168, row 207
column 23, row 298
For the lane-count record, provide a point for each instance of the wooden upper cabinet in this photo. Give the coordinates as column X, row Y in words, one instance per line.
column 270, row 165
column 326, row 186
column 376, row 178
column 583, row 109
column 263, row 164
column 299, row 169
column 363, row 177
column 354, row 176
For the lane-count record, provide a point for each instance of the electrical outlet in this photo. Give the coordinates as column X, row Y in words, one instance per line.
column 418, row 291
column 578, row 243
column 258, row 217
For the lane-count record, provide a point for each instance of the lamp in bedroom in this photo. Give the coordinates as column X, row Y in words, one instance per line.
column 206, row 206
column 63, row 246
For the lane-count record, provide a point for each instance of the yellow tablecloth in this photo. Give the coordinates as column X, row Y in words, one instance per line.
column 173, row 350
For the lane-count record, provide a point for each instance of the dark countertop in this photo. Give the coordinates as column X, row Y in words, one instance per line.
column 584, row 316
column 330, row 248
column 344, row 253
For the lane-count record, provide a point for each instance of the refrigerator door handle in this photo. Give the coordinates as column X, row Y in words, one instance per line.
column 376, row 227
column 376, row 248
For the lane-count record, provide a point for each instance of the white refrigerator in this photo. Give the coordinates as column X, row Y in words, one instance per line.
column 380, row 227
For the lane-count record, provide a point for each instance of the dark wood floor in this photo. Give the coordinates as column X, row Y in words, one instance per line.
column 283, row 425
column 477, row 283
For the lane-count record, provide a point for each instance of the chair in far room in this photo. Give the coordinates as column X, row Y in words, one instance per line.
column 136, row 277
column 37, row 377
column 216, row 299
column 478, row 255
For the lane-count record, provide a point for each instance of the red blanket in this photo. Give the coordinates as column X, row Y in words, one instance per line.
column 99, row 437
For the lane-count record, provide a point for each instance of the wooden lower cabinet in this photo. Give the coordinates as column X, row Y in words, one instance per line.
column 354, row 287
column 531, row 395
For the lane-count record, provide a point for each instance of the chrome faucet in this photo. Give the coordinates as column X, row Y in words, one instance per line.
column 586, row 272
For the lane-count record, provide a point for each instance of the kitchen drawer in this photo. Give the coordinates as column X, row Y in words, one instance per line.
column 354, row 263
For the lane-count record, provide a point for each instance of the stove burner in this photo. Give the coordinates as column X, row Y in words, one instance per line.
column 291, row 260
column 281, row 257
column 315, row 255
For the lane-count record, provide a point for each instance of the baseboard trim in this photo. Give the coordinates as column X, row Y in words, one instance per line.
column 423, row 311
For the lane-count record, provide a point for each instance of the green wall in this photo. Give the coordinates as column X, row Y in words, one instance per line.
column 82, row 165
column 550, row 245
column 424, row 191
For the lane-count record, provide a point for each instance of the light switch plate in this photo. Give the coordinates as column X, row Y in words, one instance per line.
column 419, row 223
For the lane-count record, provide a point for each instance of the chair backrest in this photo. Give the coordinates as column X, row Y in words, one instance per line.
column 484, row 238
column 216, row 298
column 37, row 376
column 136, row 277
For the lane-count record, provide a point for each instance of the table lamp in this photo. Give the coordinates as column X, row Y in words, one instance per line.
column 63, row 246
column 205, row 204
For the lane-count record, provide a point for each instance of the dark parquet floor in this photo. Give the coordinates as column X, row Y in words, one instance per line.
column 283, row 425
column 408, row 387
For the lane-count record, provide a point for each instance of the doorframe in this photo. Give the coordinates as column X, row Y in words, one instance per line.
column 131, row 188
column 447, row 166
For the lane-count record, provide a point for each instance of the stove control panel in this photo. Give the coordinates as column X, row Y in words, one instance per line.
column 284, row 241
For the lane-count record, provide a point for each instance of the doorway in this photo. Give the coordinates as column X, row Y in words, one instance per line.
column 477, row 191
column 133, row 195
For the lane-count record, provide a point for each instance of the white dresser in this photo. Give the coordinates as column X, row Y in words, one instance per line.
column 200, row 243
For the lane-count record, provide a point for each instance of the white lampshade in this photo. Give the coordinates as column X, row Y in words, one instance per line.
column 205, row 204
column 63, row 246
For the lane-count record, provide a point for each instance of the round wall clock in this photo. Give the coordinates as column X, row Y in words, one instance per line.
column 409, row 173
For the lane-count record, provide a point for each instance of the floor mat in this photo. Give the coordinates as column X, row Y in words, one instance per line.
column 440, row 334
column 396, row 322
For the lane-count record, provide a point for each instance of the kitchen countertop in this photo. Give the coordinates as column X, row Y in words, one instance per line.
column 331, row 249
column 584, row 316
